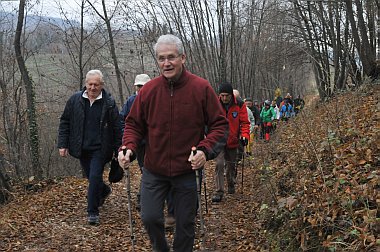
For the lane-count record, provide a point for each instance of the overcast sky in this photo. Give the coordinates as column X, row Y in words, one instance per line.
column 48, row 8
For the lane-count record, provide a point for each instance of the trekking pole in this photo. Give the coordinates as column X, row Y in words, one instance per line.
column 242, row 170
column 194, row 150
column 128, row 184
column 205, row 188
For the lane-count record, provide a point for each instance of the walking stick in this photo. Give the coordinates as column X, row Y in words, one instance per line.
column 242, row 170
column 194, row 150
column 205, row 188
column 128, row 182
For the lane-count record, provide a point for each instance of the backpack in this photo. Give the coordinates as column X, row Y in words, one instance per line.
column 287, row 112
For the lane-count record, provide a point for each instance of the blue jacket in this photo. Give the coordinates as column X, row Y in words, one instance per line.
column 286, row 111
column 126, row 109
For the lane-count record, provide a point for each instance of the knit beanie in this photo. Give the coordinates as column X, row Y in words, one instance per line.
column 225, row 88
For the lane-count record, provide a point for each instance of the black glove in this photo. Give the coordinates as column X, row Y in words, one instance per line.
column 244, row 141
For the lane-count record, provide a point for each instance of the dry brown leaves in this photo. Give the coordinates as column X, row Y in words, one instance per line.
column 52, row 217
column 325, row 172
column 315, row 185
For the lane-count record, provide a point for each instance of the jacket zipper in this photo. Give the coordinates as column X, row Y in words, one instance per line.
column 170, row 124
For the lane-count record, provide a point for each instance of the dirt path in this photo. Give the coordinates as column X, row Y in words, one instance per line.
column 54, row 218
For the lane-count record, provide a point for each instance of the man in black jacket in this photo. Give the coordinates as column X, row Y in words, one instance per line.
column 90, row 129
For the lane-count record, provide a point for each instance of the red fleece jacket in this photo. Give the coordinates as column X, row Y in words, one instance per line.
column 172, row 117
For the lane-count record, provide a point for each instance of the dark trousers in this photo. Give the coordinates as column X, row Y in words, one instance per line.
column 154, row 190
column 170, row 203
column 170, row 197
column 267, row 130
column 92, row 163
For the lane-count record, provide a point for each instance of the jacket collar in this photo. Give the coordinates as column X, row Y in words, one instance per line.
column 104, row 95
column 181, row 80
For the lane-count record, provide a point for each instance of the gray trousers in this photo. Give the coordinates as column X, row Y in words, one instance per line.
column 154, row 190
column 226, row 157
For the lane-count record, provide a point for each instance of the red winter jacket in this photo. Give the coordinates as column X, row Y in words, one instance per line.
column 238, row 122
column 172, row 118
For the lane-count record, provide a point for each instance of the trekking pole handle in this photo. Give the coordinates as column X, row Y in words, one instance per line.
column 194, row 150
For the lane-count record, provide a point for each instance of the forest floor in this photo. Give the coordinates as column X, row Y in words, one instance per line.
column 313, row 187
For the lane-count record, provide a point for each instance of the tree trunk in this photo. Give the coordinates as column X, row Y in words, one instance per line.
column 222, row 42
column 359, row 33
column 30, row 96
column 113, row 53
column 4, row 184
column 81, row 67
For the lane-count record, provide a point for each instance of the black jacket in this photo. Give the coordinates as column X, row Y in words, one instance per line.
column 70, row 132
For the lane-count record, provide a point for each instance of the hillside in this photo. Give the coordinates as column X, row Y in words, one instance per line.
column 314, row 186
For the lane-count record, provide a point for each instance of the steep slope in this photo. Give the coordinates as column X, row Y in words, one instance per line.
column 314, row 186
column 323, row 170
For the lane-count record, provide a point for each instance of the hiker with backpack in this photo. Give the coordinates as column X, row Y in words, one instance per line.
column 171, row 113
column 299, row 103
column 267, row 115
column 286, row 111
column 236, row 112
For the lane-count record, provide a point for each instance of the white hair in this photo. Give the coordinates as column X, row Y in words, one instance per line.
column 236, row 93
column 171, row 40
column 95, row 72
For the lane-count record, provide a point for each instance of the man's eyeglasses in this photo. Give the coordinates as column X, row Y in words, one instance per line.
column 170, row 58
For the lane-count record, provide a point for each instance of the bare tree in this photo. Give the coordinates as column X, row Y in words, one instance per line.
column 366, row 45
column 107, row 20
column 30, row 95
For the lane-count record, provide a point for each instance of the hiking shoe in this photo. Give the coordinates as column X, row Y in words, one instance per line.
column 217, row 197
column 93, row 219
column 107, row 192
column 169, row 221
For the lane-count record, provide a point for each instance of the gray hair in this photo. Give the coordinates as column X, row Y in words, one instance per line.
column 95, row 72
column 171, row 40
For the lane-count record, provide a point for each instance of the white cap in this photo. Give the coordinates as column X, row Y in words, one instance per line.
column 141, row 79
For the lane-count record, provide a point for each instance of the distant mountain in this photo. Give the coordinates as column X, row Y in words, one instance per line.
column 9, row 20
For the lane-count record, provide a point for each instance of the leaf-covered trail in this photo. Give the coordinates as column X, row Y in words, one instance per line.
column 54, row 218
column 314, row 186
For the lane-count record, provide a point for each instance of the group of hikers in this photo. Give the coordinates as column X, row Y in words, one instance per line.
column 269, row 113
column 172, row 125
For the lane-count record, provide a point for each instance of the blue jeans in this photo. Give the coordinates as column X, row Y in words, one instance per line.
column 92, row 163
column 154, row 190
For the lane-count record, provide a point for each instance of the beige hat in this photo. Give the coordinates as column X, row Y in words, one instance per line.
column 141, row 79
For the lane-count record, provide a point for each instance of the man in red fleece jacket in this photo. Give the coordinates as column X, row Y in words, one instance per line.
column 171, row 113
